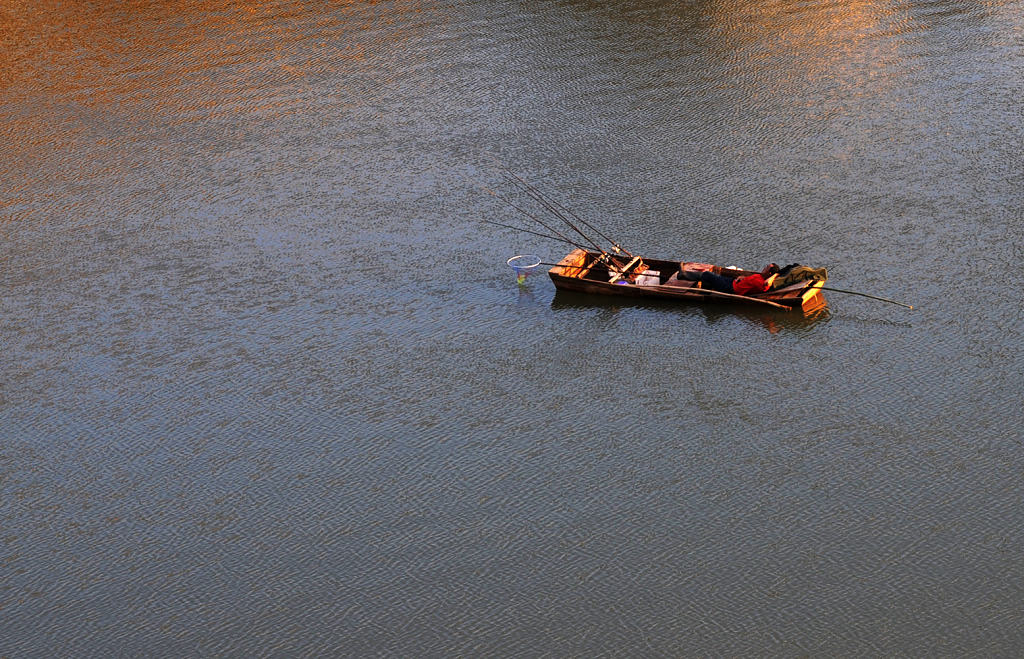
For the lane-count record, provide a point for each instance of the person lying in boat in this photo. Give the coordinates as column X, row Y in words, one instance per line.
column 758, row 283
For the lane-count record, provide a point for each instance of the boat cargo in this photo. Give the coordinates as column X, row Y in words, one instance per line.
column 600, row 273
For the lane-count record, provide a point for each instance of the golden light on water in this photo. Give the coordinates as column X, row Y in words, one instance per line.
column 839, row 43
column 138, row 53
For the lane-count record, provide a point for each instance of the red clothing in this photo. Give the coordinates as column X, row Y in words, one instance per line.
column 749, row 284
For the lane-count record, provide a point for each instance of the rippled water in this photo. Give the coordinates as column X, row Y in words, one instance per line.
column 269, row 389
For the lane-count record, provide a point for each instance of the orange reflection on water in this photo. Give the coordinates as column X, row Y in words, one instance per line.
column 141, row 54
column 782, row 43
column 81, row 82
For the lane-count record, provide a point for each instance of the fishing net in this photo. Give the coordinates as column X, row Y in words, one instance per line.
column 523, row 265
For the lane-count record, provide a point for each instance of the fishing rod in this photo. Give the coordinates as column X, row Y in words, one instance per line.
column 614, row 244
column 561, row 237
column 554, row 211
column 540, row 198
column 605, row 257
column 553, row 230
column 536, row 233
column 873, row 297
column 553, row 205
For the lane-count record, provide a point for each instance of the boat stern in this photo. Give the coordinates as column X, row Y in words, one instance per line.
column 813, row 298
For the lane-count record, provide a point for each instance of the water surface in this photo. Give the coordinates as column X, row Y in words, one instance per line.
column 267, row 387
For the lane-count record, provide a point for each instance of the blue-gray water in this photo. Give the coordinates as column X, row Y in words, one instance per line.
column 267, row 387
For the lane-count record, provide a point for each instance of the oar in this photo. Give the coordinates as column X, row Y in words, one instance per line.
column 873, row 297
column 745, row 298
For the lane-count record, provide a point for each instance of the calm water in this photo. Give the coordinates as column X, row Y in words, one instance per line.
column 267, row 387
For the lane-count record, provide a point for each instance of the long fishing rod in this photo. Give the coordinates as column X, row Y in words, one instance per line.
column 537, row 233
column 541, row 199
column 614, row 244
column 873, row 297
column 536, row 195
column 553, row 230
column 558, row 233
column 604, row 258
column 553, row 206
column 554, row 211
column 556, row 207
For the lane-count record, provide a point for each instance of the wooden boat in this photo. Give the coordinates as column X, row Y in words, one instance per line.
column 586, row 271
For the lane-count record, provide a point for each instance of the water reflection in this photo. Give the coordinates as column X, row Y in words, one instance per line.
column 525, row 296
